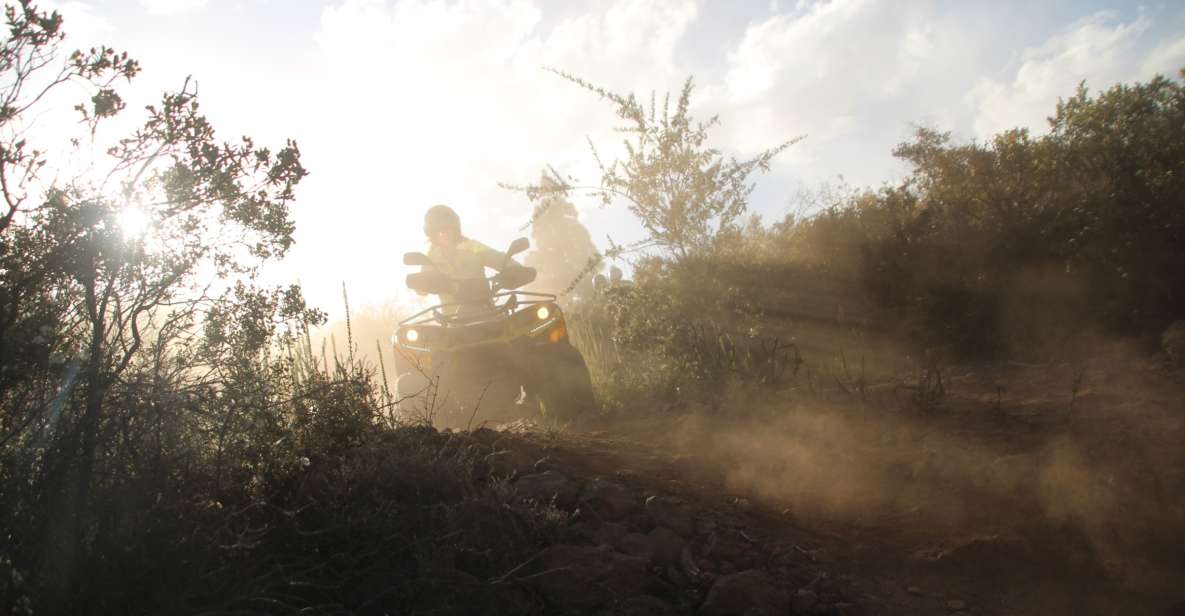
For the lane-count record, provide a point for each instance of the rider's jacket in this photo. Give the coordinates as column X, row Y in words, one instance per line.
column 466, row 262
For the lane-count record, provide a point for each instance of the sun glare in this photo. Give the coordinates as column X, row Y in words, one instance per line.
column 133, row 222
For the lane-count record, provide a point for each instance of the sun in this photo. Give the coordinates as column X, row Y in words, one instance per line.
column 133, row 222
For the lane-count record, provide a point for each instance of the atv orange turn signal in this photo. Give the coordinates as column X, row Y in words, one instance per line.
column 542, row 313
column 557, row 333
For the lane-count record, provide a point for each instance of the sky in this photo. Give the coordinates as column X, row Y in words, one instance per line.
column 401, row 104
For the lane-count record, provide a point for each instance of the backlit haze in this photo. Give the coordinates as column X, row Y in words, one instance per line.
column 397, row 105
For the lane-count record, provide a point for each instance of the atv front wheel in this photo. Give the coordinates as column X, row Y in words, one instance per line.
column 564, row 388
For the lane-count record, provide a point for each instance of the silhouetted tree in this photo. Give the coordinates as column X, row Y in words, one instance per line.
column 97, row 270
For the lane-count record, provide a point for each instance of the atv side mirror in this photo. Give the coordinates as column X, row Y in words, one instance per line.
column 416, row 258
column 518, row 246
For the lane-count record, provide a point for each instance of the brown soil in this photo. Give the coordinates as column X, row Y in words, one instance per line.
column 1027, row 490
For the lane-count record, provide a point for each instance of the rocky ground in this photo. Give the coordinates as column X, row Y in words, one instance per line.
column 639, row 543
column 654, row 521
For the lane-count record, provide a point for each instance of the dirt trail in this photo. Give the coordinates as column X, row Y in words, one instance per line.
column 1017, row 506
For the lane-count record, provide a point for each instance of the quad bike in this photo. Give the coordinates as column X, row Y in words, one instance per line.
column 496, row 354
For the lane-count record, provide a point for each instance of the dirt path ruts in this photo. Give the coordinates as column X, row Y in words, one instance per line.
column 890, row 562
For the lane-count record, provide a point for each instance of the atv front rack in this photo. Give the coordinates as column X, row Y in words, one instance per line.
column 512, row 301
column 512, row 315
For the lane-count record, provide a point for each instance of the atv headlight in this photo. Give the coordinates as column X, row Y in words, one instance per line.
column 411, row 335
column 543, row 312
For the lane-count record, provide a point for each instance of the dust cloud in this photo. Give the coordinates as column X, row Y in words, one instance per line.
column 1104, row 478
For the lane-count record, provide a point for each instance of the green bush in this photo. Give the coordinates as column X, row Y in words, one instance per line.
column 1016, row 246
column 1020, row 243
column 679, row 332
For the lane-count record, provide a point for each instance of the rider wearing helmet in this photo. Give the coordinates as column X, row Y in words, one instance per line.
column 465, row 375
column 460, row 259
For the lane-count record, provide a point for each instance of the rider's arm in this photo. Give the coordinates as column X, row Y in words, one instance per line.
column 494, row 259
column 497, row 260
column 511, row 273
column 432, row 266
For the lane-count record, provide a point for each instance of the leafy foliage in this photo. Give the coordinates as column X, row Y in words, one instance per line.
column 105, row 385
column 1018, row 246
column 169, row 441
column 1022, row 235
column 678, row 332
column 682, row 190
column 165, row 423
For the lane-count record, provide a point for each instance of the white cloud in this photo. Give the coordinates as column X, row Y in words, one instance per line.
column 834, row 70
column 427, row 101
column 1166, row 59
column 416, row 102
column 855, row 75
column 398, row 104
column 1095, row 49
column 82, row 25
column 168, row 7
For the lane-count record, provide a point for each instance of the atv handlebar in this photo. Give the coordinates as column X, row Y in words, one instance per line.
column 436, row 283
column 512, row 276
